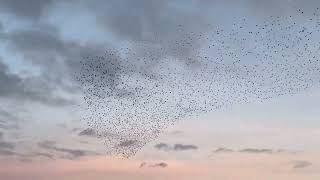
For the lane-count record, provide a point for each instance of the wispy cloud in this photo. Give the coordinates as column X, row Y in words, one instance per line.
column 154, row 165
column 8, row 149
column 223, row 150
column 161, row 165
column 88, row 132
column 184, row 147
column 301, row 164
column 47, row 155
column 5, row 152
column 8, row 120
column 127, row 143
column 20, row 89
column 6, row 145
column 75, row 153
column 256, row 151
column 253, row 151
column 175, row 147
column 162, row 146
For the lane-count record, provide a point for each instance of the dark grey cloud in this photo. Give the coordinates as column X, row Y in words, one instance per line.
column 26, row 155
column 10, row 151
column 161, row 27
column 127, row 143
column 47, row 155
column 301, row 164
column 40, row 39
column 184, row 147
column 88, row 132
column 223, row 150
column 9, row 120
column 154, row 165
column 175, row 147
column 33, row 9
column 256, row 151
column 161, row 165
column 141, row 17
column 151, row 20
column 162, row 146
column 74, row 153
column 7, row 149
column 56, row 56
column 6, row 145
column 141, row 20
column 20, row 89
column 5, row 152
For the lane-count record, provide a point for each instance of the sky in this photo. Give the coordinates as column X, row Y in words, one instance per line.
column 44, row 132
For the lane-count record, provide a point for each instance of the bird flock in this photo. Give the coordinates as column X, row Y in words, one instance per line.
column 135, row 92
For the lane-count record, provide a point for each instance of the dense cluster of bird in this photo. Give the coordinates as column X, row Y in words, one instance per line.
column 135, row 92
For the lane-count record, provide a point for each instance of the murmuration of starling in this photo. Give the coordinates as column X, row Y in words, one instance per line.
column 133, row 94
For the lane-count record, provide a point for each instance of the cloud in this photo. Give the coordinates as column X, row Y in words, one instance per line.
column 55, row 56
column 256, row 151
column 88, row 132
column 1, row 28
column 62, row 125
column 161, row 165
column 175, row 147
column 162, row 146
column 154, row 165
column 223, row 150
column 253, row 151
column 182, row 147
column 151, row 22
column 177, row 132
column 276, row 7
column 16, row 88
column 162, row 26
column 47, row 155
column 7, row 149
column 127, row 143
column 4, row 152
column 75, row 153
column 8, row 120
column 301, row 164
column 32, row 9
column 143, row 20
column 6, row 145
